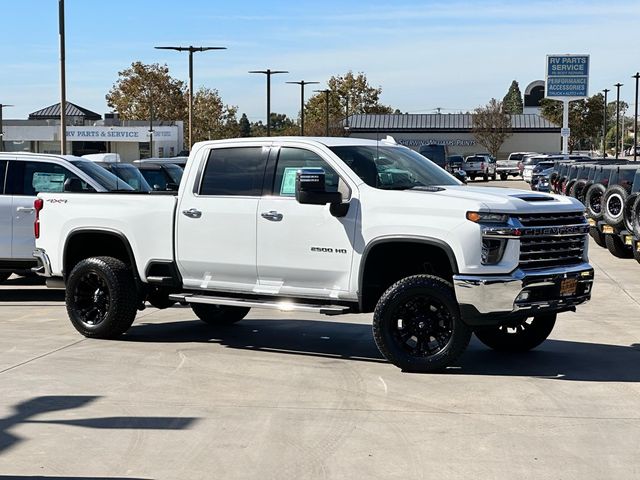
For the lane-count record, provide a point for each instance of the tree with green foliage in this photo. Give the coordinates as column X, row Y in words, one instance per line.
column 281, row 125
column 143, row 87
column 212, row 119
column 585, row 120
column 245, row 126
column 491, row 126
column 362, row 98
column 513, row 100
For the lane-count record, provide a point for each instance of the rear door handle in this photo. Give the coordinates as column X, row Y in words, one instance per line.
column 25, row 209
column 192, row 213
column 272, row 215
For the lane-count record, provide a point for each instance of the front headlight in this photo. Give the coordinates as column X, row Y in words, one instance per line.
column 486, row 217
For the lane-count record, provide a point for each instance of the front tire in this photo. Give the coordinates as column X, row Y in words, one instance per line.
column 219, row 314
column 417, row 324
column 101, row 297
column 521, row 337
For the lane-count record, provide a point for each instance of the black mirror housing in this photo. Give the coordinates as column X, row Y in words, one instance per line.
column 310, row 188
column 73, row 184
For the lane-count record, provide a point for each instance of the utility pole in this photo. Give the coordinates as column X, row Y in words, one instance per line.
column 326, row 92
column 63, row 87
column 604, row 127
column 617, row 85
column 191, row 50
column 268, row 72
column 635, row 121
column 302, row 83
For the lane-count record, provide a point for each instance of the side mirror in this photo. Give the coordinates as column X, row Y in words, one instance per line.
column 73, row 184
column 310, row 188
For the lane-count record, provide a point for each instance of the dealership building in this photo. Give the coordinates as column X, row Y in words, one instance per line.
column 88, row 133
column 529, row 132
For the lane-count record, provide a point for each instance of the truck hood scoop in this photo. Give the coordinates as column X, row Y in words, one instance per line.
column 528, row 197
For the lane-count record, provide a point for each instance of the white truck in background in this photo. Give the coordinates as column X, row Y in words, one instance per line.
column 325, row 225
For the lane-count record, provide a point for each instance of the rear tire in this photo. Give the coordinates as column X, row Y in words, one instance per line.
column 219, row 314
column 617, row 248
column 101, row 297
column 493, row 177
column 503, row 176
column 417, row 324
column 593, row 201
column 522, row 337
column 613, row 203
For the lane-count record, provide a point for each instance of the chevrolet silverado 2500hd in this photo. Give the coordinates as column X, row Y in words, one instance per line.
column 325, row 225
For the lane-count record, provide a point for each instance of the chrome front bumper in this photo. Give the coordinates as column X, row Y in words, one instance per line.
column 495, row 299
column 44, row 264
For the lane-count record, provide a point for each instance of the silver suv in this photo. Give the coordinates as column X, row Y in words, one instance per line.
column 22, row 177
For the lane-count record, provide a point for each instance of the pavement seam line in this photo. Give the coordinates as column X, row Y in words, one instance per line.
column 41, row 356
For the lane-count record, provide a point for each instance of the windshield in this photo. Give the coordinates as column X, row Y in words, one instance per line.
column 393, row 168
column 175, row 172
column 107, row 179
column 131, row 175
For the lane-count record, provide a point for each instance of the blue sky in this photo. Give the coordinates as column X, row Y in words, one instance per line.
column 424, row 54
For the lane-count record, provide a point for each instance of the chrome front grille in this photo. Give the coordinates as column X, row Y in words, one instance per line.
column 552, row 240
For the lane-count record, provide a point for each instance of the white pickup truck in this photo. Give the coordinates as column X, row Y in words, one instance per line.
column 325, row 225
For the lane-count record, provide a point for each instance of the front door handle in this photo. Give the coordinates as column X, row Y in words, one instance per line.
column 272, row 215
column 25, row 209
column 192, row 213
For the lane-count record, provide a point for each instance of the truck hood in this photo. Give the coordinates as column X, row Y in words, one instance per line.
column 504, row 200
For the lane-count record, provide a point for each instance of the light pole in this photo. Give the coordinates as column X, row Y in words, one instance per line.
column 617, row 85
column 346, row 118
column 268, row 72
column 1, row 129
column 635, row 121
column 150, row 126
column 326, row 92
column 302, row 83
column 63, row 88
column 191, row 50
column 604, row 125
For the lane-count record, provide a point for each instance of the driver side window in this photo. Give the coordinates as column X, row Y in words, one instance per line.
column 290, row 160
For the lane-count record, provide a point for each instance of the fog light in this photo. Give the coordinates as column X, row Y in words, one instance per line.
column 492, row 250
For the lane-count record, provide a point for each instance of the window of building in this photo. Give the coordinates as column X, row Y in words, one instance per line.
column 234, row 171
column 290, row 161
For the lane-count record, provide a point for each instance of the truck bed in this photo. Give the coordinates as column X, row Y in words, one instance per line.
column 144, row 218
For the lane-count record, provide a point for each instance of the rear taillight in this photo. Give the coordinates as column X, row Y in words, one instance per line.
column 38, row 204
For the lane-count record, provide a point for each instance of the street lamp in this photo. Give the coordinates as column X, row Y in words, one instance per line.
column 268, row 72
column 617, row 85
column 302, row 83
column 63, row 88
column 1, row 129
column 635, row 123
column 191, row 50
column 326, row 92
column 604, row 123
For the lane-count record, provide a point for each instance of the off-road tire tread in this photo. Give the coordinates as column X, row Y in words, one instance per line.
column 617, row 248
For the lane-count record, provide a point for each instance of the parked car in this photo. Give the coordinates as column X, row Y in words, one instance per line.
column 436, row 153
column 180, row 161
column 327, row 226
column 129, row 174
column 455, row 166
column 163, row 176
column 480, row 166
column 540, row 181
column 543, row 169
column 511, row 166
column 22, row 177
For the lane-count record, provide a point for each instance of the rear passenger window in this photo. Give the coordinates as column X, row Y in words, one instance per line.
column 234, row 171
column 31, row 178
column 3, row 168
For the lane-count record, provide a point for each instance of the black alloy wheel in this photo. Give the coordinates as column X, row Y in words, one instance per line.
column 519, row 337
column 417, row 324
column 101, row 297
